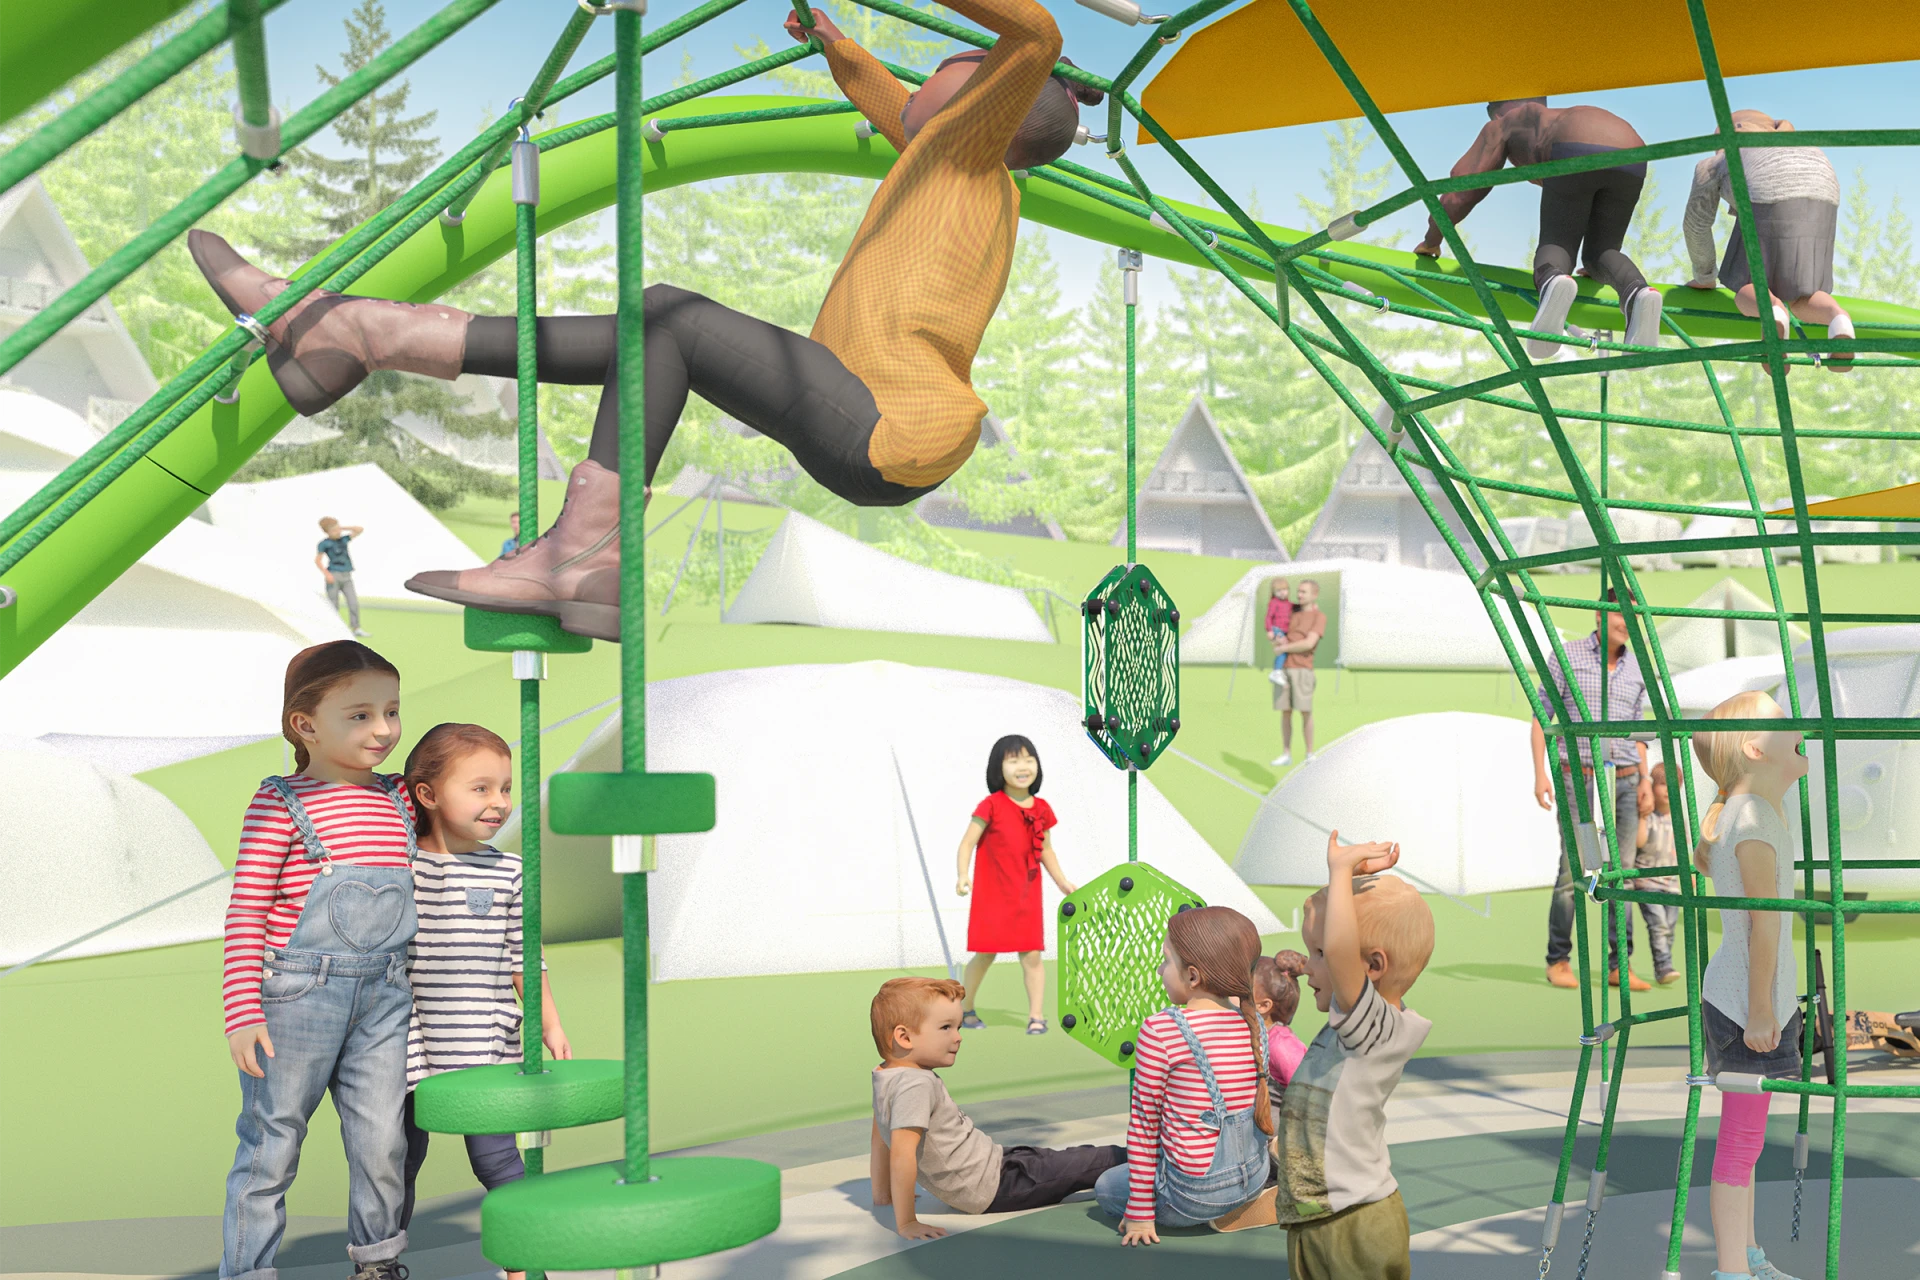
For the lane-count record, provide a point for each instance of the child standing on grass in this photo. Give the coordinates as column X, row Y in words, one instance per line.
column 1199, row 1114
column 465, row 962
column 1276, row 998
column 921, row 1138
column 315, row 976
column 335, row 562
column 1749, row 982
column 1012, row 830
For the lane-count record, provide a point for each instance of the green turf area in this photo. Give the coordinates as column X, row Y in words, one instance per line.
column 133, row 1060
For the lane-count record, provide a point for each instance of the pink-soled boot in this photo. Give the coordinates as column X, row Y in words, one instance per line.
column 543, row 576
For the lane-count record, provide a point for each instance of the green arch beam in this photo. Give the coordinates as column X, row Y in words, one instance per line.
column 111, row 533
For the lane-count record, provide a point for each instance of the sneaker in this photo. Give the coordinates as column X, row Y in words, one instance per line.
column 1634, row 981
column 1282, row 760
column 391, row 1269
column 1560, row 974
column 1760, row 1269
column 1310, row 757
column 1643, row 318
column 1556, row 299
column 1277, row 676
column 971, row 1021
column 1666, row 977
column 1261, row 1211
column 358, row 632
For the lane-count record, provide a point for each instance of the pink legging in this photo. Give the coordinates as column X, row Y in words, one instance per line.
column 1743, row 1131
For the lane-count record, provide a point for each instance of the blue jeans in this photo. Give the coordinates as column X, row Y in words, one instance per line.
column 1240, row 1168
column 337, row 1004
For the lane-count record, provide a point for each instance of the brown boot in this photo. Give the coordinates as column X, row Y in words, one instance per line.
column 329, row 342
column 594, row 609
column 541, row 576
column 1634, row 981
column 1560, row 974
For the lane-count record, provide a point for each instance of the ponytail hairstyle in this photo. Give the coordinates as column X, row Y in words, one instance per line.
column 312, row 675
column 1222, row 946
column 438, row 750
column 1723, row 755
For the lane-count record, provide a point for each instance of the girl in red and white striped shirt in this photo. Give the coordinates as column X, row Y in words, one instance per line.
column 1197, row 1124
column 316, row 959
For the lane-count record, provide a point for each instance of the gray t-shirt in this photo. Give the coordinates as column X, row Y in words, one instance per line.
column 958, row 1163
column 1748, row 817
column 1333, row 1117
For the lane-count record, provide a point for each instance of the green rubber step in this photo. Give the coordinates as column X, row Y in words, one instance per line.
column 588, row 1219
column 501, row 1099
column 491, row 632
column 630, row 804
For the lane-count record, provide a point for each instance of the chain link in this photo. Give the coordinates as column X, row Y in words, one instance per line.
column 1799, row 1178
column 1586, row 1246
column 1546, row 1260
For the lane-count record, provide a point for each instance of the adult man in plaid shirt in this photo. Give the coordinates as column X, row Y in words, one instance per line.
column 1632, row 789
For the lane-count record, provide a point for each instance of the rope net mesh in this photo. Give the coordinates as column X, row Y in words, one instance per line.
column 1310, row 290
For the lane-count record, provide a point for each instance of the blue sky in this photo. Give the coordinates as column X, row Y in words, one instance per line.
column 492, row 60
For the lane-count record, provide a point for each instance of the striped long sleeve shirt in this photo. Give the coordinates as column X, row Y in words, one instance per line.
column 462, row 962
column 272, row 875
column 1169, row 1093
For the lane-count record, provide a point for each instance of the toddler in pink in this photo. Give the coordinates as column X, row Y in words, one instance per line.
column 1276, row 996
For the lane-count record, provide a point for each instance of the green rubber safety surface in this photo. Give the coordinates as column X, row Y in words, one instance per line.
column 1130, row 666
column 588, row 1219
column 491, row 632
column 1111, row 932
column 630, row 804
column 501, row 1099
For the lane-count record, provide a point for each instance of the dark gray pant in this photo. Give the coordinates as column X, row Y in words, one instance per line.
column 1589, row 213
column 1034, row 1177
column 494, row 1158
column 782, row 384
column 1626, row 818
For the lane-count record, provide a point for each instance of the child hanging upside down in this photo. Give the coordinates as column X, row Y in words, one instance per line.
column 1593, row 208
column 877, row 404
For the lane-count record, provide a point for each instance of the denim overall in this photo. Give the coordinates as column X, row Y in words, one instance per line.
column 337, row 1004
column 1241, row 1159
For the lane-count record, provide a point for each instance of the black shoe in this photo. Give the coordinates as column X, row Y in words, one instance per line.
column 391, row 1269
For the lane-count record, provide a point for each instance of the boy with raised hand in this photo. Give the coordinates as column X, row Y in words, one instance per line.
column 1367, row 936
column 335, row 563
column 920, row 1136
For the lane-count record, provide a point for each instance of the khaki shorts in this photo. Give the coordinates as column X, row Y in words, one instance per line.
column 1294, row 691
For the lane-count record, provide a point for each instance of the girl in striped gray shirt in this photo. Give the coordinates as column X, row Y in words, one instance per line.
column 465, row 961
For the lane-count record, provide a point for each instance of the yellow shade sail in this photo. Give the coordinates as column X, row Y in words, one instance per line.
column 1902, row 503
column 1257, row 68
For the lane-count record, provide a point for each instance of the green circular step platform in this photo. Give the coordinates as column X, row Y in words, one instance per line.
column 588, row 1219
column 503, row 1099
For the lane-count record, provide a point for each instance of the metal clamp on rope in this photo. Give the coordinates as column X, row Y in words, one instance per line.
column 529, row 1141
column 1587, row 836
column 602, row 10
column 526, row 171
column 257, row 342
column 1377, row 301
column 1593, row 885
column 652, row 131
column 1596, row 1190
column 1123, row 11
column 529, row 664
column 8, row 597
column 864, row 130
column 258, row 141
column 633, row 854
column 1207, row 236
column 254, row 327
column 1344, row 227
column 1131, row 262
column 1799, row 1141
column 1697, row 1082
column 1740, row 1082
column 1083, row 135
column 1601, row 1034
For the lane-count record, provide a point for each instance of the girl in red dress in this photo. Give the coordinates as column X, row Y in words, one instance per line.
column 1010, row 828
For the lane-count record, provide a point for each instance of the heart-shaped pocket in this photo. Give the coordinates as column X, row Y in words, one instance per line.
column 366, row 918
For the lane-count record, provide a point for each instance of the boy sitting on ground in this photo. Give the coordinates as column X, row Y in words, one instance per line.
column 1368, row 936
column 920, row 1136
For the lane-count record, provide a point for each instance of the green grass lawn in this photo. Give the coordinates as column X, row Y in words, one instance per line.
column 118, row 1100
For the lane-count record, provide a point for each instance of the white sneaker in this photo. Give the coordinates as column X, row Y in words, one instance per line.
column 1556, row 300
column 1277, row 676
column 1310, row 757
column 1282, row 760
column 358, row 632
column 1643, row 318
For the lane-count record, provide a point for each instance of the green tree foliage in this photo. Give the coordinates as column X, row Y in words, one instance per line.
column 114, row 184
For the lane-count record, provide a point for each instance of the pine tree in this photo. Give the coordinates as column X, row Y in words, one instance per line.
column 389, row 149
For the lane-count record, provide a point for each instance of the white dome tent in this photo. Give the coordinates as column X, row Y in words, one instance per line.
column 99, row 861
column 1687, row 643
column 844, row 790
column 281, row 519
column 819, row 577
column 1453, row 787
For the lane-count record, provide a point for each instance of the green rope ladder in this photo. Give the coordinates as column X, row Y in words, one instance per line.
column 636, row 1212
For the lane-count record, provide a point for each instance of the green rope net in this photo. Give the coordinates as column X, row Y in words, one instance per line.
column 101, row 513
